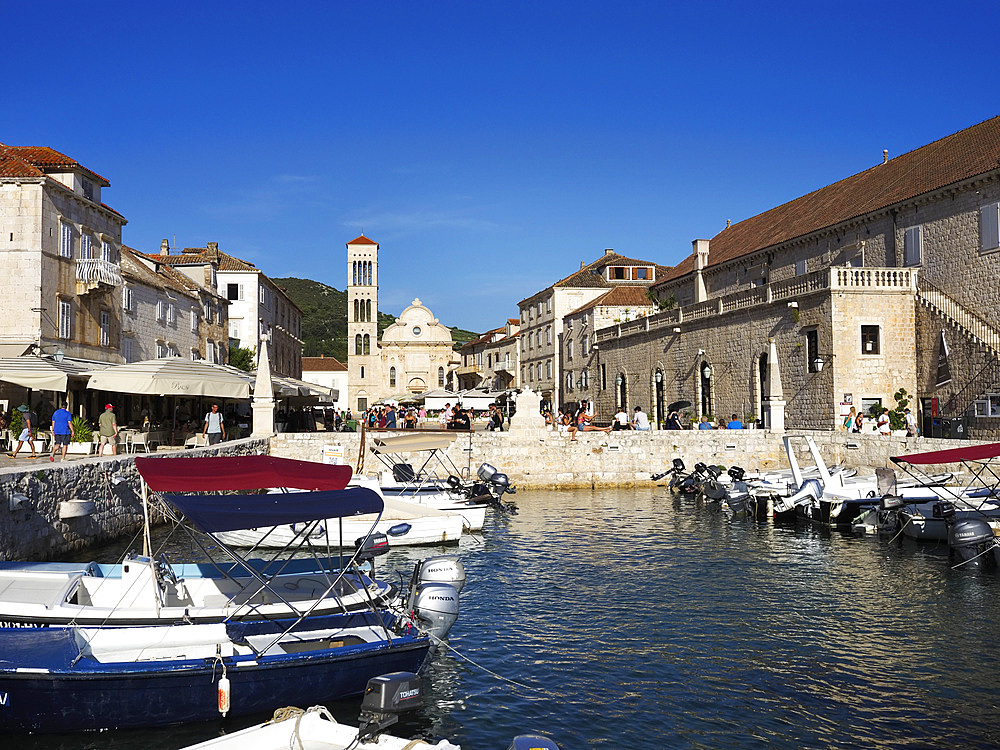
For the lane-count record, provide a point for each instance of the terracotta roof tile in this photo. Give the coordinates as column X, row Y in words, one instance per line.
column 361, row 240
column 957, row 157
column 619, row 296
column 47, row 159
column 589, row 276
column 322, row 364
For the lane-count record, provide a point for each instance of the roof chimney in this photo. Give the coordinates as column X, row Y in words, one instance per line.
column 728, row 223
column 609, row 251
column 213, row 247
column 885, row 156
column 164, row 247
column 583, row 264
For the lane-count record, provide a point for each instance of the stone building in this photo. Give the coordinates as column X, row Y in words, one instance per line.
column 328, row 372
column 257, row 306
column 60, row 258
column 578, row 347
column 879, row 282
column 542, row 316
column 492, row 360
column 166, row 313
column 415, row 354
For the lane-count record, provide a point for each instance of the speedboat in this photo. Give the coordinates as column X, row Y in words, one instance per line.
column 75, row 678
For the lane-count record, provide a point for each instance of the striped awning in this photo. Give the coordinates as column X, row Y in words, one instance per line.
column 44, row 373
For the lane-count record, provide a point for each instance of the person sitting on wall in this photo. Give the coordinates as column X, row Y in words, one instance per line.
column 640, row 421
column 620, row 422
column 705, row 424
column 734, row 424
column 583, row 422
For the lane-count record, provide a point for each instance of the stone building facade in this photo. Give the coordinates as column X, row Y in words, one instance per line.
column 328, row 372
column 415, row 354
column 879, row 282
column 167, row 314
column 60, row 257
column 257, row 306
column 542, row 316
column 491, row 361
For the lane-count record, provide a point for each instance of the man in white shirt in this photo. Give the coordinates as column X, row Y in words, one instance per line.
column 621, row 420
column 214, row 429
column 911, row 423
column 640, row 421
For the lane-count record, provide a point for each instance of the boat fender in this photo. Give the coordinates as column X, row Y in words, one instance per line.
column 400, row 529
column 224, row 694
column 532, row 742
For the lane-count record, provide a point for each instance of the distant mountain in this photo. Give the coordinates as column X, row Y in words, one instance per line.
column 324, row 318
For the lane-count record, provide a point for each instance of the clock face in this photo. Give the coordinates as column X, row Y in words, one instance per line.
column 416, row 330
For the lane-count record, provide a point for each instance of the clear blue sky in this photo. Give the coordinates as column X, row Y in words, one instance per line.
column 488, row 147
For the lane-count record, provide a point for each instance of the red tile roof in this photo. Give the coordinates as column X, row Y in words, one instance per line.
column 322, row 364
column 590, row 276
column 957, row 157
column 620, row 296
column 43, row 159
column 361, row 240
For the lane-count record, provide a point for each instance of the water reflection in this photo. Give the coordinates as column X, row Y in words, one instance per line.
column 637, row 619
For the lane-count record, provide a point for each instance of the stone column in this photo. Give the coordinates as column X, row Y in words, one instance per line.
column 263, row 395
column 773, row 407
column 528, row 416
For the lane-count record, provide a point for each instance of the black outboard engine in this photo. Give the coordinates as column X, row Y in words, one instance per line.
column 971, row 543
column 736, row 473
column 387, row 696
column 371, row 546
column 676, row 468
column 691, row 484
column 887, row 514
column 711, row 488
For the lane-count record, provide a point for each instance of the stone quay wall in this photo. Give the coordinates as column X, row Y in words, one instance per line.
column 31, row 529
column 30, row 497
column 541, row 458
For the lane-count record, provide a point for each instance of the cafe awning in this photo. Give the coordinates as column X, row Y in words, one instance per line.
column 174, row 376
column 45, row 373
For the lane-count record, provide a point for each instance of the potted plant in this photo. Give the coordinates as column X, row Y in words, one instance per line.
column 83, row 436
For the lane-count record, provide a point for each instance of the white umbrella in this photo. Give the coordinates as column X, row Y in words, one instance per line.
column 174, row 376
column 44, row 373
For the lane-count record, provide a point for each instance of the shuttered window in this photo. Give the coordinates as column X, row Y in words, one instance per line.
column 66, row 241
column 912, row 246
column 989, row 227
column 65, row 320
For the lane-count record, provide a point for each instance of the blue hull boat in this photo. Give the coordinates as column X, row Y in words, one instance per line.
column 75, row 679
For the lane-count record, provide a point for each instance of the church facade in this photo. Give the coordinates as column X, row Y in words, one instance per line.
column 415, row 353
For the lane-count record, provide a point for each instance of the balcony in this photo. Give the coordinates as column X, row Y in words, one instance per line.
column 858, row 280
column 468, row 370
column 97, row 274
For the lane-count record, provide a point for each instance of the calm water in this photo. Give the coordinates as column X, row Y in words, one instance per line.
column 636, row 620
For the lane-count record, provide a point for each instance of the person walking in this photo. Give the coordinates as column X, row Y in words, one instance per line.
column 214, row 428
column 883, row 424
column 849, row 420
column 107, row 428
column 911, row 423
column 27, row 426
column 62, row 431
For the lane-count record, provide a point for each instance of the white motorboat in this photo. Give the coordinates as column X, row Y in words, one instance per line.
column 385, row 698
column 404, row 524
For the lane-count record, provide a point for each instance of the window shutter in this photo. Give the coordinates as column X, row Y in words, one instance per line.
column 912, row 246
column 989, row 227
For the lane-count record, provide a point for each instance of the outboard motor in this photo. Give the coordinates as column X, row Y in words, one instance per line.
column 497, row 484
column 435, row 607
column 369, row 547
column 811, row 490
column 711, row 488
column 676, row 468
column 387, row 696
column 440, row 569
column 691, row 484
column 971, row 543
column 736, row 473
column 532, row 742
column 887, row 514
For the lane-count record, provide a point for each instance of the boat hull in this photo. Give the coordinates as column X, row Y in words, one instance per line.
column 42, row 688
column 422, row 531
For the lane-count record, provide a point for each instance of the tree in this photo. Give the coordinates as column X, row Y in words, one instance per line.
column 242, row 358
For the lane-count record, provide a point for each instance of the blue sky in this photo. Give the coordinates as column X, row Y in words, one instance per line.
column 488, row 147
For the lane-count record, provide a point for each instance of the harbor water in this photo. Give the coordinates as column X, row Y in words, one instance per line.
column 634, row 619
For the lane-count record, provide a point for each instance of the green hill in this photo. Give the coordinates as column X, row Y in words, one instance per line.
column 324, row 318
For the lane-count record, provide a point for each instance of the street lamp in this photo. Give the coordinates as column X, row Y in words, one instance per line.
column 658, row 377
column 618, row 381
column 706, row 372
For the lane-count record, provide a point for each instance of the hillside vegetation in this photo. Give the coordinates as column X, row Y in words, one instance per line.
column 324, row 318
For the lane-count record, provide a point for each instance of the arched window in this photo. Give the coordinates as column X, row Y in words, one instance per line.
column 356, row 307
column 392, row 377
column 368, row 310
column 354, row 273
column 357, row 344
column 584, row 379
column 440, row 377
column 368, row 348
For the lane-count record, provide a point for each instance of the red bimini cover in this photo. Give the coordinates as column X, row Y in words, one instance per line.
column 952, row 455
column 208, row 473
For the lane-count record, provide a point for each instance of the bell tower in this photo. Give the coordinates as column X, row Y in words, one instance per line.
column 363, row 360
